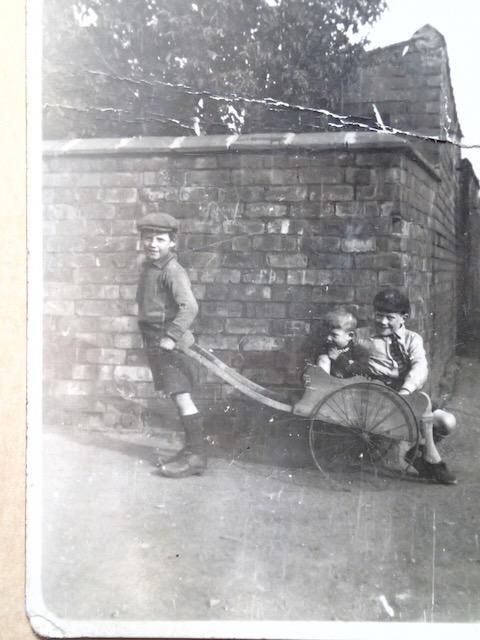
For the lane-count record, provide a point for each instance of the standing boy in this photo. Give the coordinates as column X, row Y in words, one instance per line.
column 397, row 358
column 166, row 310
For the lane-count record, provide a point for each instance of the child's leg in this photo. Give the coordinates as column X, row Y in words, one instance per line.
column 192, row 423
column 191, row 460
column 444, row 423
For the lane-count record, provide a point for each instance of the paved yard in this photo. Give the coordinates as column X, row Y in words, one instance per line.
column 250, row 541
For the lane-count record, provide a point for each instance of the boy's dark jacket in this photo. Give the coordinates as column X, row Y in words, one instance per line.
column 166, row 303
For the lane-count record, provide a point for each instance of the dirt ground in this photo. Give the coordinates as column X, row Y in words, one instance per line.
column 253, row 541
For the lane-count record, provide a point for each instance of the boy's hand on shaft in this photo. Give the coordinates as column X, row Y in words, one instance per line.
column 167, row 343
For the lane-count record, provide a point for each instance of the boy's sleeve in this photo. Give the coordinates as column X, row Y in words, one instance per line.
column 418, row 372
column 187, row 305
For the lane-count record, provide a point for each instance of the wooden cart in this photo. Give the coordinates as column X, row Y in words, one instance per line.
column 352, row 421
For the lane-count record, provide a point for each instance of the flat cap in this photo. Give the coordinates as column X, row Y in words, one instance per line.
column 158, row 222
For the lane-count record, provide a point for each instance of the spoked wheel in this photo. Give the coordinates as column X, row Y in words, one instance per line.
column 362, row 427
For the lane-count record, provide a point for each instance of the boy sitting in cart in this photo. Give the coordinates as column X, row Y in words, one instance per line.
column 397, row 358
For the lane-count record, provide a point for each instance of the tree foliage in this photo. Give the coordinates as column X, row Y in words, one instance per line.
column 157, row 67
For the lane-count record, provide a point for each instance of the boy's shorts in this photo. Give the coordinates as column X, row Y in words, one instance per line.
column 172, row 371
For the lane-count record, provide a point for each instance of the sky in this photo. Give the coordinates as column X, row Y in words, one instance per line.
column 459, row 22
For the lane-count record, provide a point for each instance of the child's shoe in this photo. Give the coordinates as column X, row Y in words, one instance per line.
column 437, row 471
column 193, row 464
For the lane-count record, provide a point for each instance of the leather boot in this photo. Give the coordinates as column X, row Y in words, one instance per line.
column 189, row 465
column 191, row 460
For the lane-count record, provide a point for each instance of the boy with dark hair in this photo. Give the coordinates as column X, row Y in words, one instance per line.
column 397, row 357
column 166, row 310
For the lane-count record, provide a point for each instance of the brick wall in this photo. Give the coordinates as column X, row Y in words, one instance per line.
column 275, row 230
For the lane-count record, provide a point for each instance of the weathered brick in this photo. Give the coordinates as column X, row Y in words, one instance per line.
column 245, row 326
column 263, row 276
column 394, row 278
column 287, row 261
column 265, row 210
column 222, row 309
column 201, row 259
column 208, row 324
column 59, row 308
column 92, row 372
column 217, row 178
column 262, row 343
column 120, row 179
column 243, row 260
column 358, row 245
column 71, row 180
column 95, row 211
column 59, row 211
column 223, row 276
column 65, row 244
column 319, row 244
column 308, row 276
column 241, row 194
column 290, row 327
column 249, row 292
column 132, row 374
column 333, row 293
column 195, row 162
column 358, row 209
column 121, row 195
column 236, row 226
column 285, row 293
column 123, row 227
column 94, row 339
column 128, row 341
column 241, row 243
column 270, row 242
column 118, row 324
column 195, row 194
column 96, row 307
column 62, row 291
column 265, row 310
column 286, row 226
column 72, row 388
column 105, row 356
column 312, row 210
column 321, row 175
column 357, row 176
column 330, row 261
column 380, row 261
column 70, row 326
column 286, row 194
column 102, row 292
column 264, row 176
column 332, row 193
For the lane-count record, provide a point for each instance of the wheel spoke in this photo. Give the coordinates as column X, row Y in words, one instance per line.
column 362, row 422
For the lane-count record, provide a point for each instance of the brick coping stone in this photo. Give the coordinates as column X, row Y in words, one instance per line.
column 315, row 142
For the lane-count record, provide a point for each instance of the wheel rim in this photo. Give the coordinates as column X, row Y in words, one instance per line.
column 362, row 423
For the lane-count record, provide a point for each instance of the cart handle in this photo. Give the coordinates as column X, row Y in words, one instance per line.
column 235, row 379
